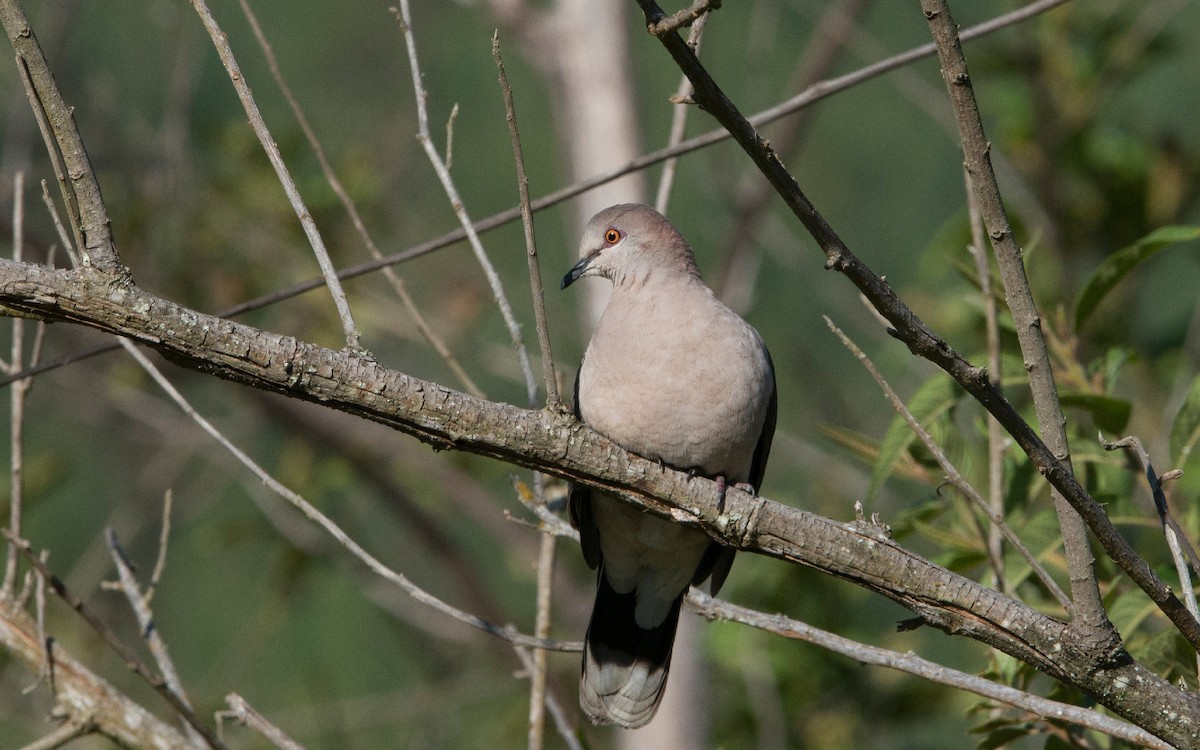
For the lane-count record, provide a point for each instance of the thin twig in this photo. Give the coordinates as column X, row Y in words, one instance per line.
column 535, row 274
column 1160, row 497
column 244, row 714
column 547, row 519
column 536, row 664
column 335, row 184
column 16, row 401
column 449, row 158
column 1087, row 608
column 46, row 671
column 70, row 730
column 555, row 709
column 145, row 619
column 404, row 17
column 806, row 98
column 679, row 115
column 545, row 562
column 698, row 11
column 164, row 536
column 507, row 633
column 541, row 629
column 910, row 663
column 225, row 52
column 64, row 185
column 124, row 652
column 952, row 474
column 18, row 396
column 72, row 252
column 978, row 252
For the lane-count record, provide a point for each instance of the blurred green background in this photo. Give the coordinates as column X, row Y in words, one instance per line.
column 1091, row 110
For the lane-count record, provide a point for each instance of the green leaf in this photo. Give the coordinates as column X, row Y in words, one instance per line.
column 930, row 401
column 1119, row 264
column 1129, row 610
column 1042, row 536
column 1003, row 737
column 1185, row 432
column 1054, row 742
column 1110, row 414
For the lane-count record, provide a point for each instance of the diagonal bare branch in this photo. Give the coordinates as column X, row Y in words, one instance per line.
column 535, row 274
column 243, row 713
column 81, row 191
column 922, row 341
column 328, row 272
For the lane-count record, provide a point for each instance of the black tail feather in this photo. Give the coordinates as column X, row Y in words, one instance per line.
column 625, row 666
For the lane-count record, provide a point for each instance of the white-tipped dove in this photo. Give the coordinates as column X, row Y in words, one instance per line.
column 673, row 375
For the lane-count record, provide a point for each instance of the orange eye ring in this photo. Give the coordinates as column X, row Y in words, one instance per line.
column 612, row 236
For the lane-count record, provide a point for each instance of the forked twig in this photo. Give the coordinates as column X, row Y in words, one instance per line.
column 140, row 604
column 698, row 11
column 404, row 16
column 244, row 714
column 131, row 660
column 335, row 184
column 679, row 115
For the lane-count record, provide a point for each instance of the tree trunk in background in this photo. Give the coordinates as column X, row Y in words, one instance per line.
column 596, row 115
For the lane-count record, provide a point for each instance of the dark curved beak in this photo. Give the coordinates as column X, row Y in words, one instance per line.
column 577, row 270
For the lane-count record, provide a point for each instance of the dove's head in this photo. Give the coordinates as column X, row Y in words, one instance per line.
column 629, row 243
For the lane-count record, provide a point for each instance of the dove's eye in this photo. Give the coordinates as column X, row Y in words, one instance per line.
column 612, row 236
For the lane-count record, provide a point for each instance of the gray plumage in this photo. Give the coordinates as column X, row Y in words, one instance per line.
column 674, row 375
